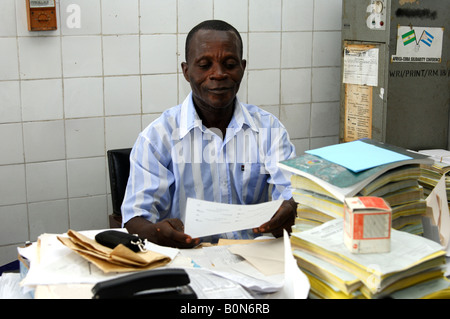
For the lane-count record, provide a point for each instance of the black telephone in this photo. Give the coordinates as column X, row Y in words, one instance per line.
column 167, row 283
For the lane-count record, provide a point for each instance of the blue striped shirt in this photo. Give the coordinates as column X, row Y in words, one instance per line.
column 177, row 157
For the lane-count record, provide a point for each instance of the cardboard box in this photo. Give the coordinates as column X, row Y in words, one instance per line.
column 367, row 225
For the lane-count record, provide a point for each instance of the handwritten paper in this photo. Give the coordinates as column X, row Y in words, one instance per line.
column 204, row 218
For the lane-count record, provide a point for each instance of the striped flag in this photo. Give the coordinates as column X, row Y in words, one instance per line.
column 408, row 37
column 426, row 38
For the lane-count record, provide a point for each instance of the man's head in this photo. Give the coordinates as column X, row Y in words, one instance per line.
column 214, row 66
column 217, row 25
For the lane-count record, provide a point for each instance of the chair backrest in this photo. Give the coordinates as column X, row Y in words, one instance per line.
column 119, row 170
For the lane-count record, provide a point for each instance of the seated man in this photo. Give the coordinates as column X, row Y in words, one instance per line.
column 210, row 147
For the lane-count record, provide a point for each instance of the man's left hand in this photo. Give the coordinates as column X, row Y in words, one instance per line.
column 284, row 218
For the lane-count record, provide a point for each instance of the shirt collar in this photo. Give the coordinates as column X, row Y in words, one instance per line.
column 189, row 118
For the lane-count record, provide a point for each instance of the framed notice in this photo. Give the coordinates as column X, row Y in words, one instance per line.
column 358, row 112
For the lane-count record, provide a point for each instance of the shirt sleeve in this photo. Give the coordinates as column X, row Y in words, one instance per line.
column 279, row 148
column 148, row 190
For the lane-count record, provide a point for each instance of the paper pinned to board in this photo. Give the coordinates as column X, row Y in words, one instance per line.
column 361, row 64
column 358, row 112
column 438, row 213
column 205, row 218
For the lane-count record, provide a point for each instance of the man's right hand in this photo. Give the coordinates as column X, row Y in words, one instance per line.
column 169, row 232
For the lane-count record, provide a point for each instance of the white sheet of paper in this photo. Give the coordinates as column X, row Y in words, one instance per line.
column 437, row 201
column 296, row 284
column 361, row 66
column 204, row 218
column 266, row 256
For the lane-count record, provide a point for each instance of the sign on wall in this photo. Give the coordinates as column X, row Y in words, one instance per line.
column 360, row 64
column 418, row 44
column 360, row 75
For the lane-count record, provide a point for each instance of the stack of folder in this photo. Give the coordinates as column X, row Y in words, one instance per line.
column 431, row 174
column 412, row 269
column 324, row 177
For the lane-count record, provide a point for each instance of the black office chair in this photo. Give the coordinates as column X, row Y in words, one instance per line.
column 119, row 170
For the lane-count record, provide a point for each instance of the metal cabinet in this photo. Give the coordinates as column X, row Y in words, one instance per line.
column 395, row 84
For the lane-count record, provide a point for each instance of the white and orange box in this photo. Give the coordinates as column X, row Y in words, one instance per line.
column 367, row 225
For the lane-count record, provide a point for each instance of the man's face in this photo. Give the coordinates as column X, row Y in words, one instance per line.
column 214, row 68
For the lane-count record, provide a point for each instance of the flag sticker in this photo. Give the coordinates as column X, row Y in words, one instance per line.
column 426, row 38
column 409, row 37
column 419, row 44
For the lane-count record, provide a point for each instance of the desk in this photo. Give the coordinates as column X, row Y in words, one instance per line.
column 72, row 291
column 58, row 272
column 76, row 290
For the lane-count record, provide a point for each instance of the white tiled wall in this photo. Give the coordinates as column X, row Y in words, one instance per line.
column 67, row 96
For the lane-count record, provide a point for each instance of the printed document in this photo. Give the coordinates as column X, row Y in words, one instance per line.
column 204, row 218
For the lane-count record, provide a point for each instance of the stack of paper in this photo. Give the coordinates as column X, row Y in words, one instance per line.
column 328, row 280
column 334, row 272
column 324, row 177
column 431, row 174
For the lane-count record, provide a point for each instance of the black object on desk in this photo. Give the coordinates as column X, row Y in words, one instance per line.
column 112, row 238
column 156, row 284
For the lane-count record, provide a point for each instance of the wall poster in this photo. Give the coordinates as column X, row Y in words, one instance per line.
column 360, row 75
column 361, row 64
column 358, row 112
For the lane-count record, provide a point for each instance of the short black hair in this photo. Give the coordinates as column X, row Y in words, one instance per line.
column 217, row 25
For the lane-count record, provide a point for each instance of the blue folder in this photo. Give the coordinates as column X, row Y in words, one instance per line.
column 358, row 156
